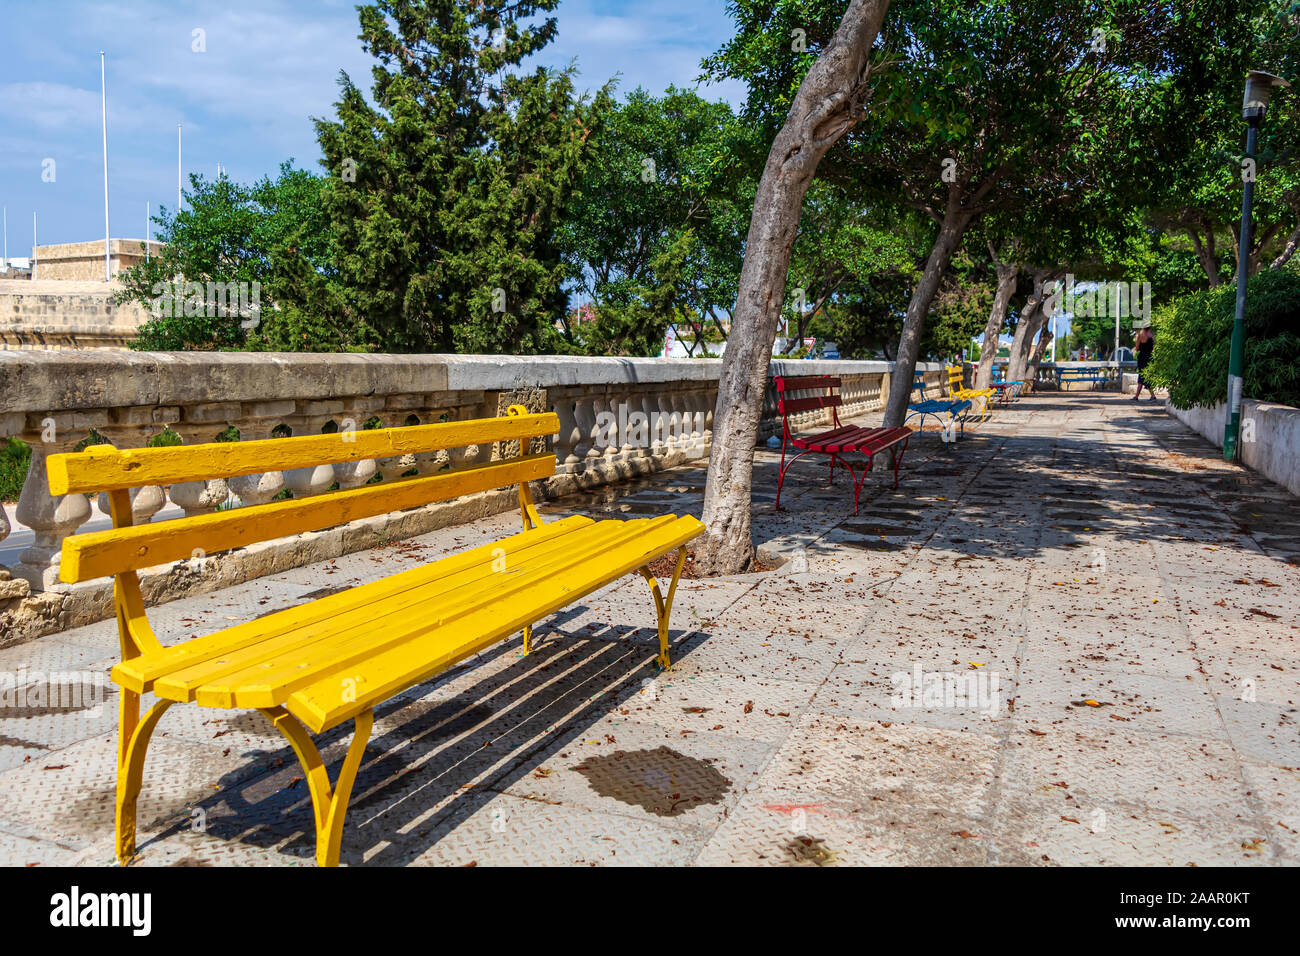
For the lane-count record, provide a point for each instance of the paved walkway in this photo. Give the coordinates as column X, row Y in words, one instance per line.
column 1071, row 639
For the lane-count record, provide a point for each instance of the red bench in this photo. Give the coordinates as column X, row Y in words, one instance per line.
column 837, row 441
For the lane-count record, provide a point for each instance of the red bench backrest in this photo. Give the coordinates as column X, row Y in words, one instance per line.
column 789, row 406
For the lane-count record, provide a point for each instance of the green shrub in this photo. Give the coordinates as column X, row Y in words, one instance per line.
column 1193, row 340
column 15, row 456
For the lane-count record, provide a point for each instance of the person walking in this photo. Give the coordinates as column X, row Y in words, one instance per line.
column 1146, row 343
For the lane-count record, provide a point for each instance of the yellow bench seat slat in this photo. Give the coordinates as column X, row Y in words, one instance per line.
column 139, row 673
column 273, row 681
column 264, row 675
column 423, row 622
column 321, row 706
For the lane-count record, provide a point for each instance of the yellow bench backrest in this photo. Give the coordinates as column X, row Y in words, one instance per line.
column 125, row 549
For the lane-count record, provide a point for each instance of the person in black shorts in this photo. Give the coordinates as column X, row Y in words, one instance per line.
column 1145, row 342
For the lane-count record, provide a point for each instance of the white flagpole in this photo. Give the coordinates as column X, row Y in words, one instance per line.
column 178, row 168
column 6, row 218
column 146, row 232
column 35, row 258
column 103, row 107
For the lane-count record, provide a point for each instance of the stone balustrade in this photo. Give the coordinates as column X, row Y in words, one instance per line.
column 619, row 418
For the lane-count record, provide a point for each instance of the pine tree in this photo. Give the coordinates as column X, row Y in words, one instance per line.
column 446, row 186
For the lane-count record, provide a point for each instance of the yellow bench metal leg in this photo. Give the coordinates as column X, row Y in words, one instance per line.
column 528, row 639
column 329, row 804
column 132, row 744
column 664, row 605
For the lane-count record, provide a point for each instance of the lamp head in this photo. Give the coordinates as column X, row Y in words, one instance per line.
column 1259, row 86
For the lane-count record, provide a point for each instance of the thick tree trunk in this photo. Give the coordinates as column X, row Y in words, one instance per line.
column 1044, row 340
column 952, row 228
column 1007, row 273
column 830, row 101
column 1031, row 320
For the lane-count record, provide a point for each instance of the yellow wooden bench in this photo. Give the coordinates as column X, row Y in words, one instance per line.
column 958, row 389
column 314, row 666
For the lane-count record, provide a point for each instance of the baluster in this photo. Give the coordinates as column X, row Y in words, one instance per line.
column 585, row 414
column 614, row 435
column 655, row 423
column 260, row 487
column 132, row 428
column 51, row 518
column 567, row 438
column 203, row 496
column 354, row 474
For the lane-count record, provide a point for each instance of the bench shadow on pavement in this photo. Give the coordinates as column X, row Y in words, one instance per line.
column 438, row 755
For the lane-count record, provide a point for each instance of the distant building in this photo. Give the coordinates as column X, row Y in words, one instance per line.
column 84, row 261
column 67, row 304
column 15, row 267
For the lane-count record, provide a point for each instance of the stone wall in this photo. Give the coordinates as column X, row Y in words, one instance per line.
column 53, row 399
column 1270, row 437
column 49, row 314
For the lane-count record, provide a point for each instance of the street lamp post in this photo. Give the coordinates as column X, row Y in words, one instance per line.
column 1259, row 86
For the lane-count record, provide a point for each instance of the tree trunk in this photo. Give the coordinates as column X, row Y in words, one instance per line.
column 829, row 102
column 1044, row 340
column 1007, row 273
column 1288, row 250
column 1205, row 252
column 1031, row 320
column 955, row 221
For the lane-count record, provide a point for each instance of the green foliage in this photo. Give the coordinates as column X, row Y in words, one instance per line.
column 961, row 308
column 15, row 457
column 451, row 185
column 1197, row 197
column 1193, row 337
column 654, row 231
column 231, row 233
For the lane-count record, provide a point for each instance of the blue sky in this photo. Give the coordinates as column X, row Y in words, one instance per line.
column 247, row 102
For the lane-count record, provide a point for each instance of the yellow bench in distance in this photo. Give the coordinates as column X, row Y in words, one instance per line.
column 310, row 668
column 957, row 389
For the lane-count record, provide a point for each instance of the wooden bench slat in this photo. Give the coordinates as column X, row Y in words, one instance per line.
column 179, row 662
column 320, row 706
column 794, row 383
column 105, row 468
column 263, row 674
column 346, row 653
column 790, row 406
column 99, row 554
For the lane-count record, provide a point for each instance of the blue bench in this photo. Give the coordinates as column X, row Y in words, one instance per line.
column 1083, row 373
column 952, row 407
column 1006, row 390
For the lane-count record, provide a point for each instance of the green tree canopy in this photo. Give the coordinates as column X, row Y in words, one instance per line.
column 445, row 191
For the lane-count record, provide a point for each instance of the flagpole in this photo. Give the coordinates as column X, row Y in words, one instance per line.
column 178, row 169
column 103, row 107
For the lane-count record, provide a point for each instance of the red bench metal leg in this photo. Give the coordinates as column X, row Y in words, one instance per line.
column 896, row 453
column 857, row 485
column 780, row 478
